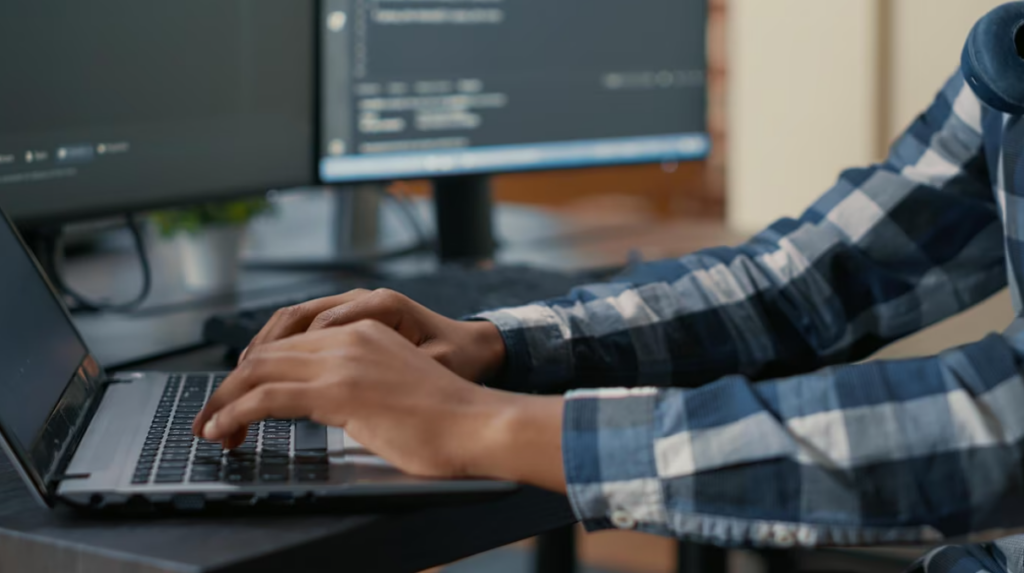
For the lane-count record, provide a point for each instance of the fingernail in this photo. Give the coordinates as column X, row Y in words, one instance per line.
column 210, row 429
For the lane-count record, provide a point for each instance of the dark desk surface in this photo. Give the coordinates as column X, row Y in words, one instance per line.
column 36, row 539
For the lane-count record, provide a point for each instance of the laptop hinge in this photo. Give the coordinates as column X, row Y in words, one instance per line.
column 65, row 477
column 70, row 446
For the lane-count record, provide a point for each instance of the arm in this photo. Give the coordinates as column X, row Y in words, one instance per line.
column 902, row 451
column 889, row 250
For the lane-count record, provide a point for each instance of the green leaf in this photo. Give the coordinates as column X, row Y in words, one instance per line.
column 194, row 219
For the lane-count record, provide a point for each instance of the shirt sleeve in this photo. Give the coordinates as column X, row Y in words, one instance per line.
column 890, row 249
column 887, row 452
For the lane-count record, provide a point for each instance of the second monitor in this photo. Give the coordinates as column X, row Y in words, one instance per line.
column 440, row 88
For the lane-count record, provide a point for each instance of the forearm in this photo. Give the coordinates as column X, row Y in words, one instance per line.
column 887, row 452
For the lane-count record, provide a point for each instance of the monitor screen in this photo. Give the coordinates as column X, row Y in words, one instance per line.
column 110, row 106
column 416, row 88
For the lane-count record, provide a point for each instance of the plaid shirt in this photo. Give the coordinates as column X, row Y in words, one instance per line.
column 719, row 410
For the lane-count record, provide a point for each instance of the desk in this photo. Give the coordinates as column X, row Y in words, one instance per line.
column 35, row 539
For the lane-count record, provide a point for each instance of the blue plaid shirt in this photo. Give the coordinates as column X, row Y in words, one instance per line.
column 722, row 406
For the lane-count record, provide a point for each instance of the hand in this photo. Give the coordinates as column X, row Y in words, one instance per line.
column 396, row 401
column 473, row 350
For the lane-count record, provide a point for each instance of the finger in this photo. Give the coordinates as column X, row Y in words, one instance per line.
column 296, row 319
column 384, row 306
column 256, row 371
column 283, row 400
column 312, row 342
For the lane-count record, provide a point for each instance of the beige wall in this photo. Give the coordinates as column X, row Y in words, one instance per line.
column 807, row 98
column 801, row 102
column 926, row 43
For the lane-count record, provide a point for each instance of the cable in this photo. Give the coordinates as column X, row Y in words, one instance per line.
column 83, row 303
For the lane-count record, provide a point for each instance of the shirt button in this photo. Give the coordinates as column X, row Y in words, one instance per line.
column 783, row 536
column 623, row 520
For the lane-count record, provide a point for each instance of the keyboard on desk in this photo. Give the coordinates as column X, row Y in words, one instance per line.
column 452, row 291
column 274, row 451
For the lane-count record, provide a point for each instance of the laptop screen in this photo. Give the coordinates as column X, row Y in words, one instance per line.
column 40, row 350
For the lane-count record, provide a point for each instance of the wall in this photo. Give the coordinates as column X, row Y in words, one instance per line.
column 801, row 102
column 929, row 35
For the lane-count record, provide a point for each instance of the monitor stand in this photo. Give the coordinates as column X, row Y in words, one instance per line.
column 465, row 219
column 352, row 238
column 463, row 213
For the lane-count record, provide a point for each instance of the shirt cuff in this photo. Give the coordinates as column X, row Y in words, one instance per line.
column 608, row 452
column 537, row 347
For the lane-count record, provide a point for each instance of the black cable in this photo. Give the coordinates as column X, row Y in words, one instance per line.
column 83, row 303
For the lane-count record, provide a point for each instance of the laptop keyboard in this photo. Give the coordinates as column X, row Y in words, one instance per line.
column 274, row 451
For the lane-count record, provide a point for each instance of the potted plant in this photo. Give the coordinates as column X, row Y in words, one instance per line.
column 209, row 239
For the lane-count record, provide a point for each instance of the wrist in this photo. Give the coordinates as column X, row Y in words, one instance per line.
column 489, row 345
column 520, row 439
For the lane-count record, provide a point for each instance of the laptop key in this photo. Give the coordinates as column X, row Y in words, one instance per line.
column 274, row 474
column 240, row 476
column 274, row 460
column 310, row 436
column 172, row 465
column 310, row 458
column 174, row 458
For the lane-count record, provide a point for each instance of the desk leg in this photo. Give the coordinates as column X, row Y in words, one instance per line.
column 556, row 551
column 694, row 558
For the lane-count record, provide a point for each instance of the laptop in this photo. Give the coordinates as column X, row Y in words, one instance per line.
column 83, row 437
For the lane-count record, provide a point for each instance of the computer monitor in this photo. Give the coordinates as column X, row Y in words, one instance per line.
column 445, row 88
column 109, row 106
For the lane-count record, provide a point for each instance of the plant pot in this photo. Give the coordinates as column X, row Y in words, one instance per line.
column 210, row 257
